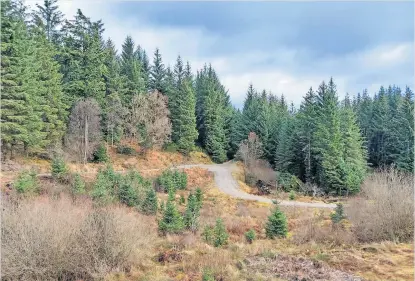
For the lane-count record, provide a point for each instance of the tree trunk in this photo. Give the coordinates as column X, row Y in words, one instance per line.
column 86, row 140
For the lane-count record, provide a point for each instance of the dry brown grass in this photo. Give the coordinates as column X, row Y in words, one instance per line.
column 45, row 239
column 386, row 209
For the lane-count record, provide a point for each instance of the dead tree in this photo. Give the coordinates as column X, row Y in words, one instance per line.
column 84, row 130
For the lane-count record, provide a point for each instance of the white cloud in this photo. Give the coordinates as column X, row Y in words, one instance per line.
column 287, row 71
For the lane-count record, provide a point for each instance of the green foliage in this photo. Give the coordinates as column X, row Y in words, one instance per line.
column 101, row 154
column 220, row 235
column 26, row 182
column 199, row 197
column 149, row 205
column 172, row 221
column 127, row 150
column 208, row 234
column 338, row 214
column 127, row 194
column 78, row 185
column 208, row 275
column 250, row 236
column 172, row 180
column 59, row 168
column 131, row 189
column 288, row 181
column 182, row 200
column 276, row 225
column 181, row 104
column 192, row 213
column 171, row 147
column 292, row 195
column 214, row 114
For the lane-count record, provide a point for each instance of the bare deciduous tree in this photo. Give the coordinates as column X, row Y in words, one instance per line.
column 250, row 150
column 257, row 171
column 84, row 130
column 149, row 121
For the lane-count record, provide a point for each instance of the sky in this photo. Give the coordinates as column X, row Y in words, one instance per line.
column 282, row 47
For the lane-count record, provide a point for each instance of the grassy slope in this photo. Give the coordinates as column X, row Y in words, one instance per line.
column 186, row 256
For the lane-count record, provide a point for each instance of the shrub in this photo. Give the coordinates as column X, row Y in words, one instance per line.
column 172, row 221
column 127, row 194
column 220, row 234
column 101, row 154
column 192, row 213
column 126, row 150
column 171, row 147
column 199, row 196
column 149, row 205
column 105, row 188
column 46, row 239
column 78, row 185
column 182, row 200
column 292, row 195
column 26, row 182
column 172, row 180
column 250, row 236
column 207, row 234
column 276, row 225
column 59, row 168
column 289, row 182
column 207, row 275
column 338, row 214
column 385, row 212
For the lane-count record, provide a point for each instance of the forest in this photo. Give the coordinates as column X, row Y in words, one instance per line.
column 117, row 166
column 66, row 87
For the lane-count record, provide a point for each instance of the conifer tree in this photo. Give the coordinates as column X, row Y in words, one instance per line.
column 132, row 72
column 172, row 221
column 191, row 215
column 182, row 104
column 150, row 203
column 276, row 225
column 20, row 117
column 82, row 59
column 157, row 73
column 49, row 17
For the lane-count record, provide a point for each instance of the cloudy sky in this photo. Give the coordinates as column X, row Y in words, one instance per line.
column 283, row 47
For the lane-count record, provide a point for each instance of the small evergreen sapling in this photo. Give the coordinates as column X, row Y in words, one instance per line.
column 26, row 182
column 172, row 221
column 101, row 155
column 59, row 169
column 250, row 236
column 220, row 234
column 149, row 205
column 78, row 185
column 191, row 216
column 292, row 195
column 276, row 225
column 338, row 214
column 207, row 234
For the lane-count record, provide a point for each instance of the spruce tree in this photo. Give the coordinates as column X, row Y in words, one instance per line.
column 49, row 17
column 157, row 73
column 132, row 71
column 192, row 213
column 276, row 225
column 149, row 205
column 83, row 59
column 172, row 221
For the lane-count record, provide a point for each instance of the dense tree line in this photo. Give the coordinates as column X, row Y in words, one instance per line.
column 61, row 78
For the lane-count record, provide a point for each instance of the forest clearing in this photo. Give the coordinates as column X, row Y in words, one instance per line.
column 120, row 169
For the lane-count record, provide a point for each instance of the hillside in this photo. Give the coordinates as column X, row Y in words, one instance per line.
column 122, row 160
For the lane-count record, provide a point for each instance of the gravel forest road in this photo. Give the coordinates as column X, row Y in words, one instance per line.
column 227, row 184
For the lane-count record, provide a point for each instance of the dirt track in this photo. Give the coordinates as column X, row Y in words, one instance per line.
column 227, row 184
